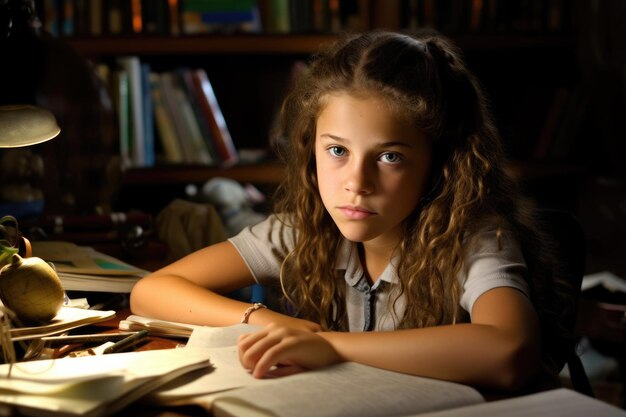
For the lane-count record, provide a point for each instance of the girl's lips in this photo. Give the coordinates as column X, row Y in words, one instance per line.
column 356, row 213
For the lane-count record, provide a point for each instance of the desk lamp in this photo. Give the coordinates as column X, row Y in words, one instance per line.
column 22, row 124
column 25, row 125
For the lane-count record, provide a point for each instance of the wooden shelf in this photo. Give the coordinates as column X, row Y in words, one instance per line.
column 194, row 45
column 267, row 173
column 279, row 44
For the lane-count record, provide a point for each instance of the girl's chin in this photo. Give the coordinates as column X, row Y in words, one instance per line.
column 357, row 236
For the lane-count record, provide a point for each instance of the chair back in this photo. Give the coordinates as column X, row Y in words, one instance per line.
column 570, row 246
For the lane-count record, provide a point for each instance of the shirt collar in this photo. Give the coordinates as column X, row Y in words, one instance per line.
column 349, row 262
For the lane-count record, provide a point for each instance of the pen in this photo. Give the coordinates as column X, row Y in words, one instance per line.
column 127, row 342
column 54, row 341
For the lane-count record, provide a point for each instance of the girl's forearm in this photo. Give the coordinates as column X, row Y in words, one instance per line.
column 174, row 298
column 474, row 354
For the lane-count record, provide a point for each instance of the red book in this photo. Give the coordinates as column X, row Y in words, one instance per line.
column 213, row 114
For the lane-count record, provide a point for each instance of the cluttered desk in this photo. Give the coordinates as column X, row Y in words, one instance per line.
column 97, row 360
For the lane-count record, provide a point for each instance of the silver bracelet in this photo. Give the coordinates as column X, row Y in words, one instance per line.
column 254, row 307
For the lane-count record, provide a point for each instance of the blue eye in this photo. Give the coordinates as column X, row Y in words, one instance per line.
column 391, row 157
column 337, row 151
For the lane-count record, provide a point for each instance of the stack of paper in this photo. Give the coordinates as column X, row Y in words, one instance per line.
column 92, row 386
column 85, row 269
column 67, row 318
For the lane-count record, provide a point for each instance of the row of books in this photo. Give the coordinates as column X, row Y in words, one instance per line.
column 168, row 117
column 84, row 18
column 488, row 16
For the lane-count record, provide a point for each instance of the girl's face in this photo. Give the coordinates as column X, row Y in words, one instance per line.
column 372, row 167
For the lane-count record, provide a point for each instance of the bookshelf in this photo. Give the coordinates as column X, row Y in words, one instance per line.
column 522, row 56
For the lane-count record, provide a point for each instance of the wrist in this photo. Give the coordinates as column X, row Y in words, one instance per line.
column 250, row 310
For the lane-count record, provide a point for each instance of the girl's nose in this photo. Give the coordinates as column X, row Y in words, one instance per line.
column 359, row 179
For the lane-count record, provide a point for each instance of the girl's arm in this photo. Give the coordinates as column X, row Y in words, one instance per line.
column 499, row 349
column 191, row 290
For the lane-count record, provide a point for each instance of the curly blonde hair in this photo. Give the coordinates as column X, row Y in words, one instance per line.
column 422, row 77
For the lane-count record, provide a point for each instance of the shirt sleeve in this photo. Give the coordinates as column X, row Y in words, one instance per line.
column 492, row 264
column 263, row 247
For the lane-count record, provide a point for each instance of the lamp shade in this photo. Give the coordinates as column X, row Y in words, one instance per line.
column 24, row 125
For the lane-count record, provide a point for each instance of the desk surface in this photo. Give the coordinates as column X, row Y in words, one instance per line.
column 155, row 343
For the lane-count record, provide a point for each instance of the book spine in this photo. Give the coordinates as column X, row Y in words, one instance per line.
column 223, row 140
column 114, row 17
column 95, row 17
column 186, row 81
column 164, row 123
column 68, row 18
column 51, row 17
column 148, row 116
column 200, row 152
column 171, row 100
column 132, row 66
column 121, row 100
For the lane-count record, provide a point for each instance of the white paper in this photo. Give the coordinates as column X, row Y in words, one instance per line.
column 348, row 390
column 607, row 279
column 100, row 383
column 227, row 372
column 558, row 402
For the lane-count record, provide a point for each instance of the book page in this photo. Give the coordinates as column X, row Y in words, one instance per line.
column 227, row 372
column 215, row 337
column 355, row 389
column 67, row 318
column 100, row 385
column 558, row 402
column 159, row 327
column 69, row 257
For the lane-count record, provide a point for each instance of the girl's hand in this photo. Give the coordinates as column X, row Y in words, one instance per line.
column 289, row 350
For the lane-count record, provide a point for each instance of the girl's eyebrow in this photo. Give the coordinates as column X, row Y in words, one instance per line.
column 333, row 137
column 389, row 144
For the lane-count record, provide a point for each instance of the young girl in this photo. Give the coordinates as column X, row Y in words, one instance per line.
column 398, row 240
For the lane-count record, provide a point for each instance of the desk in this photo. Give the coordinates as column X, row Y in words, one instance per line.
column 356, row 382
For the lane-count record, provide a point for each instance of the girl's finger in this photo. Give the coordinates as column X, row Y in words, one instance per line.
column 244, row 344
column 269, row 359
column 254, row 348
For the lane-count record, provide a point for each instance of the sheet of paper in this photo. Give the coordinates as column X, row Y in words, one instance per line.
column 609, row 280
column 67, row 318
column 215, row 337
column 98, row 380
column 355, row 389
column 559, row 402
column 227, row 372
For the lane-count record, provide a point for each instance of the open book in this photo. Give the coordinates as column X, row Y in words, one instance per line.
column 82, row 268
column 157, row 327
column 346, row 389
column 92, row 386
